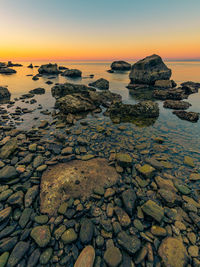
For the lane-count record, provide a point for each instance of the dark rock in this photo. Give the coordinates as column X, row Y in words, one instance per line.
column 113, row 256
column 26, row 214
column 171, row 94
column 4, row 93
column 120, row 65
column 101, row 84
column 46, row 256
column 30, row 66
column 188, row 116
column 7, row 173
column 34, row 258
column 5, row 213
column 41, row 235
column 31, row 195
column 16, row 199
column 86, row 231
column 49, row 69
column 73, row 73
column 10, row 64
column 7, row 71
column 148, row 70
column 129, row 198
column 154, row 210
column 129, row 243
column 165, row 84
column 123, row 217
column 8, row 243
column 17, row 254
column 175, row 104
column 37, row 91
column 9, row 148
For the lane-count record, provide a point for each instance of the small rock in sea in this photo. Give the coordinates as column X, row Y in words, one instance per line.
column 188, row 116
column 120, row 65
column 73, row 73
column 101, row 84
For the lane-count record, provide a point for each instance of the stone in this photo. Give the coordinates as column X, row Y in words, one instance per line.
column 158, row 231
column 3, row 259
column 86, row 231
column 5, row 213
column 25, row 216
column 37, row 91
column 164, row 83
column 122, row 216
column 4, row 93
column 172, row 252
column 73, row 73
column 148, row 70
column 194, row 177
column 17, row 254
column 170, row 94
column 7, row 173
column 16, row 199
column 67, row 150
column 59, row 182
column 41, row 235
column 86, row 257
column 189, row 161
column 41, row 219
column 147, row 171
column 33, row 258
column 30, row 195
column 193, row 251
column 188, row 116
column 9, row 148
column 69, row 236
column 39, row 160
column 49, row 69
column 7, row 71
column 129, row 243
column 129, row 198
column 153, row 210
column 120, row 65
column 176, row 104
column 101, row 84
column 112, row 256
column 124, row 159
column 46, row 256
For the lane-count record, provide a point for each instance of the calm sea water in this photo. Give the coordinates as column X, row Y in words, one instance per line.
column 181, row 134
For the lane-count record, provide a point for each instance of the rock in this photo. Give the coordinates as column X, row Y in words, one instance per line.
column 122, row 216
column 61, row 90
column 120, row 65
column 67, row 150
column 189, row 161
column 69, row 236
column 101, row 84
column 30, row 66
column 86, row 231
column 16, row 199
column 46, row 256
column 173, row 253
column 154, row 210
column 129, row 243
column 33, row 259
column 147, row 171
column 10, row 64
column 124, row 159
column 3, row 259
column 5, row 213
column 7, row 173
column 86, row 258
column 9, row 148
column 193, row 251
column 73, row 73
column 49, row 69
column 25, row 217
column 148, row 70
column 170, row 94
column 164, row 84
column 60, row 181
column 38, row 161
column 129, row 198
column 17, row 254
column 41, row 219
column 41, row 235
column 31, row 195
column 7, row 71
column 4, row 93
column 112, row 256
column 37, row 91
column 188, row 116
column 175, row 104
column 194, row 176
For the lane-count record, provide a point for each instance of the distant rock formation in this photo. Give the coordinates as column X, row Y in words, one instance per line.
column 73, row 73
column 120, row 65
column 49, row 69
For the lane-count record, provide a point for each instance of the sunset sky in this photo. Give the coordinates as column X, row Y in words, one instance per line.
column 99, row 29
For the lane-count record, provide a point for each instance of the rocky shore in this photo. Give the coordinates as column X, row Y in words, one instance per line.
column 96, row 194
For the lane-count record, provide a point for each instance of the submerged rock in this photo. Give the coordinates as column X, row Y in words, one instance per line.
column 49, row 69
column 101, row 84
column 60, row 182
column 73, row 73
column 188, row 116
column 37, row 91
column 175, row 104
column 7, row 71
column 165, row 84
column 4, row 93
column 148, row 70
column 120, row 65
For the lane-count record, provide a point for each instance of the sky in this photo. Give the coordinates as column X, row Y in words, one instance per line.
column 99, row 29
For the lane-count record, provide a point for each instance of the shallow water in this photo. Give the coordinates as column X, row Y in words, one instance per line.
column 181, row 137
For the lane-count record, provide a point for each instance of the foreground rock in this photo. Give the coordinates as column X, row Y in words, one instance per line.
column 86, row 258
column 173, row 253
column 101, row 84
column 149, row 70
column 37, row 91
column 175, row 104
column 4, row 93
column 120, row 65
column 188, row 116
column 165, row 84
column 73, row 73
column 7, row 71
column 49, row 69
column 73, row 179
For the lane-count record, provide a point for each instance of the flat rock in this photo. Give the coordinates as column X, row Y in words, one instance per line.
column 154, row 210
column 173, row 253
column 130, row 243
column 86, row 258
column 60, row 182
column 9, row 148
column 176, row 104
column 7, row 173
column 188, row 116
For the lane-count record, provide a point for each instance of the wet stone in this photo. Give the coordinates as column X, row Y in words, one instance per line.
column 41, row 235
column 154, row 210
column 17, row 254
column 3, row 259
column 86, row 258
column 86, row 231
column 130, row 243
column 69, row 236
column 113, row 256
column 147, row 171
column 25, row 217
column 129, row 198
column 123, row 217
column 7, row 173
column 124, row 159
column 46, row 256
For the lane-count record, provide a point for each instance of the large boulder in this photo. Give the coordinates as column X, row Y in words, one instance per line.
column 4, row 93
column 120, row 65
column 73, row 179
column 101, row 84
column 73, row 73
column 49, row 69
column 149, row 70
